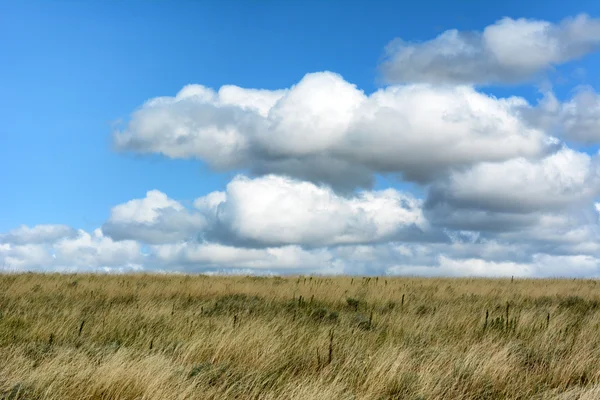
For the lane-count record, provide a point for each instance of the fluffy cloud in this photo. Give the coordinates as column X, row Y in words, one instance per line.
column 37, row 234
column 153, row 219
column 485, row 259
column 580, row 117
column 327, row 131
column 565, row 178
column 509, row 51
column 84, row 252
column 576, row 120
column 517, row 217
column 274, row 211
column 220, row 258
column 515, row 236
column 95, row 249
column 571, row 232
column 473, row 257
column 24, row 257
column 545, row 206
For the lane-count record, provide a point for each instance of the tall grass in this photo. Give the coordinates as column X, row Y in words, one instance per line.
column 197, row 337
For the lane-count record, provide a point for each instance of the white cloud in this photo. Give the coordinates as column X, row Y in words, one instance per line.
column 563, row 179
column 314, row 116
column 213, row 256
column 542, row 265
column 547, row 205
column 145, row 210
column 273, row 210
column 84, row 252
column 36, row 234
column 508, row 51
column 515, row 217
column 153, row 219
column 576, row 120
column 469, row 267
column 569, row 232
column 420, row 130
column 580, row 117
column 24, row 257
column 95, row 252
column 324, row 129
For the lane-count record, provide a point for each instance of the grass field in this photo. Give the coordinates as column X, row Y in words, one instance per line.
column 198, row 337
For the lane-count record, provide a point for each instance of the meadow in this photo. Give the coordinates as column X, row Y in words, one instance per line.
column 199, row 337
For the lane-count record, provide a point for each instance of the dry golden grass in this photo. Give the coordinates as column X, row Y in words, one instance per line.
column 197, row 337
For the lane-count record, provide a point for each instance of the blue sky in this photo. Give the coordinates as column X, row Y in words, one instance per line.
column 73, row 73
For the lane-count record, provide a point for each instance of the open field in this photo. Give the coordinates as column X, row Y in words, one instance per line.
column 197, row 337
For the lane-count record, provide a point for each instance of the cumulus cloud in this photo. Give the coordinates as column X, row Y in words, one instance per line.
column 488, row 258
column 463, row 257
column 24, row 257
column 326, row 130
column 153, row 219
column 275, row 211
column 570, row 232
column 83, row 252
column 508, row 51
column 217, row 257
column 547, row 204
column 504, row 236
column 517, row 217
column 576, row 120
column 565, row 178
column 37, row 234
column 96, row 250
column 580, row 117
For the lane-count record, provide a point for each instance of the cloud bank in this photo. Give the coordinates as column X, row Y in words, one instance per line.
column 505, row 187
column 275, row 224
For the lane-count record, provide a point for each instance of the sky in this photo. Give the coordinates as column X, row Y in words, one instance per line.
column 300, row 137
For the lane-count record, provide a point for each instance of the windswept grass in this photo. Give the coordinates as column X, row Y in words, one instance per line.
column 197, row 337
